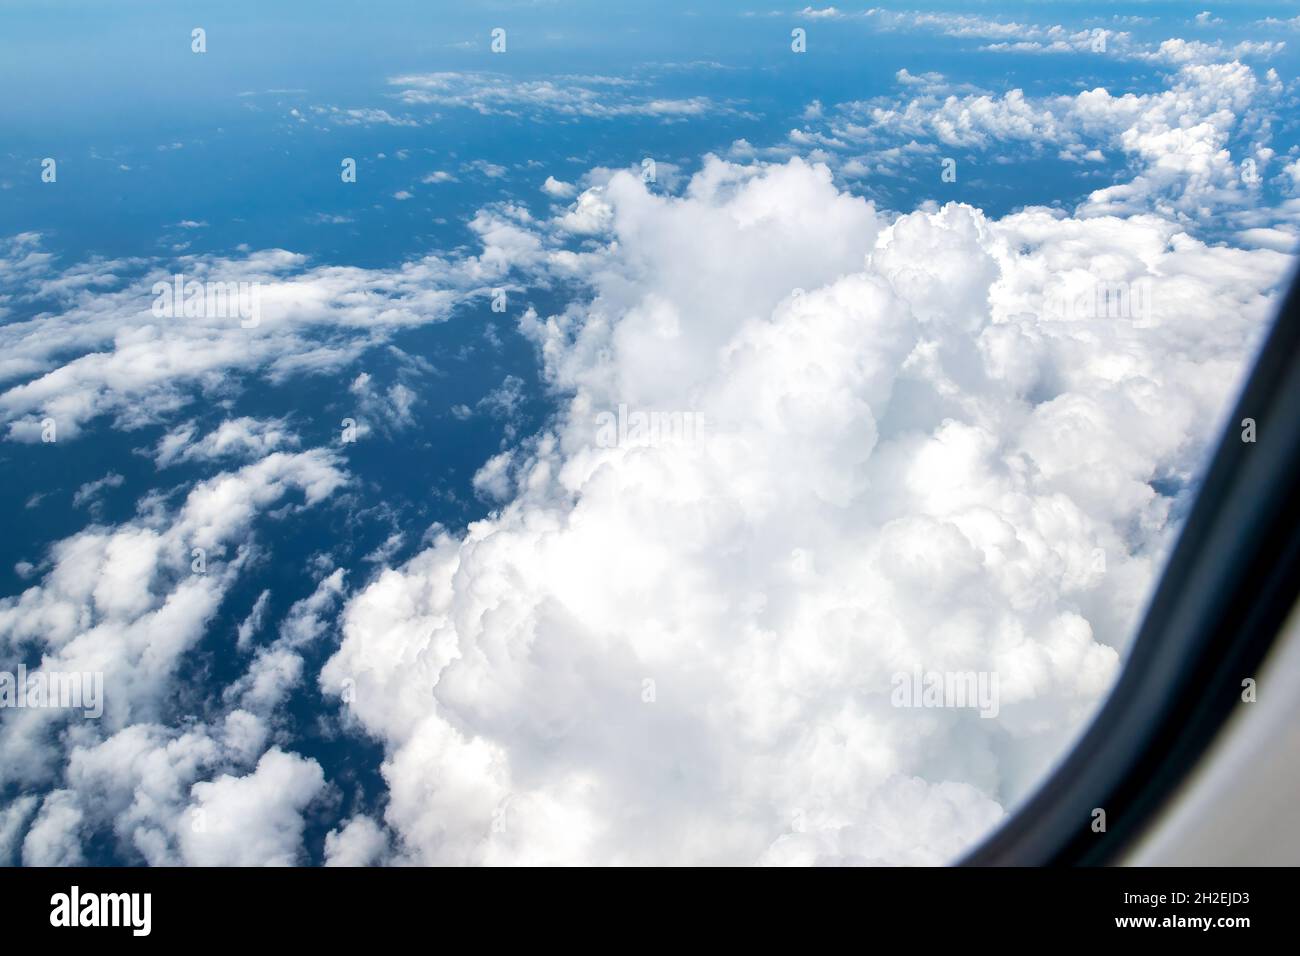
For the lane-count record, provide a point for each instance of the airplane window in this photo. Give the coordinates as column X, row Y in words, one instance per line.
column 634, row 434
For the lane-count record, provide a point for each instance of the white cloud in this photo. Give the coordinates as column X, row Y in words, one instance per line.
column 921, row 433
column 973, row 120
column 1270, row 237
column 1176, row 51
column 955, row 24
column 88, row 492
column 252, row 624
column 139, row 368
column 22, row 262
column 129, row 601
column 558, row 189
column 1275, row 23
column 254, row 820
column 1178, row 141
column 496, row 94
column 391, row 409
column 277, row 668
column 361, row 842
column 13, row 824
column 493, row 479
column 361, row 117
column 589, row 216
column 137, row 782
column 912, row 461
column 1014, row 37
column 243, row 437
column 53, row 838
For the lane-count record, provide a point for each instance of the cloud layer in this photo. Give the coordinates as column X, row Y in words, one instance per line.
column 923, row 451
column 799, row 445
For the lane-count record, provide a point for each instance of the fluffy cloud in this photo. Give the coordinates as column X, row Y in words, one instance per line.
column 53, row 839
column 244, row 437
column 926, row 447
column 128, row 362
column 1176, row 51
column 136, row 783
column 1178, row 143
column 558, row 189
column 130, row 601
column 13, row 824
column 973, row 120
column 21, row 261
column 1181, row 140
column 278, row 667
column 253, row 820
column 146, row 784
column 361, row 842
column 391, row 410
column 937, row 441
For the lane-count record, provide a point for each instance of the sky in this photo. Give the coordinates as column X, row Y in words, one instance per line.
column 594, row 421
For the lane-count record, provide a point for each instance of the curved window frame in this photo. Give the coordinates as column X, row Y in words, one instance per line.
column 1225, row 594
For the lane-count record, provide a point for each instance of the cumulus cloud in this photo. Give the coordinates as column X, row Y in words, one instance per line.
column 253, row 820
column 130, row 601
column 882, row 443
column 136, row 783
column 557, row 188
column 205, row 792
column 53, row 839
column 1181, row 140
column 1177, row 51
column 1004, row 35
column 954, row 24
column 925, row 449
column 1177, row 144
column 973, row 120
column 361, row 842
column 13, row 825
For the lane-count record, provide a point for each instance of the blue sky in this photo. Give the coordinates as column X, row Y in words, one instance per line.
column 928, row 448
column 145, row 129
